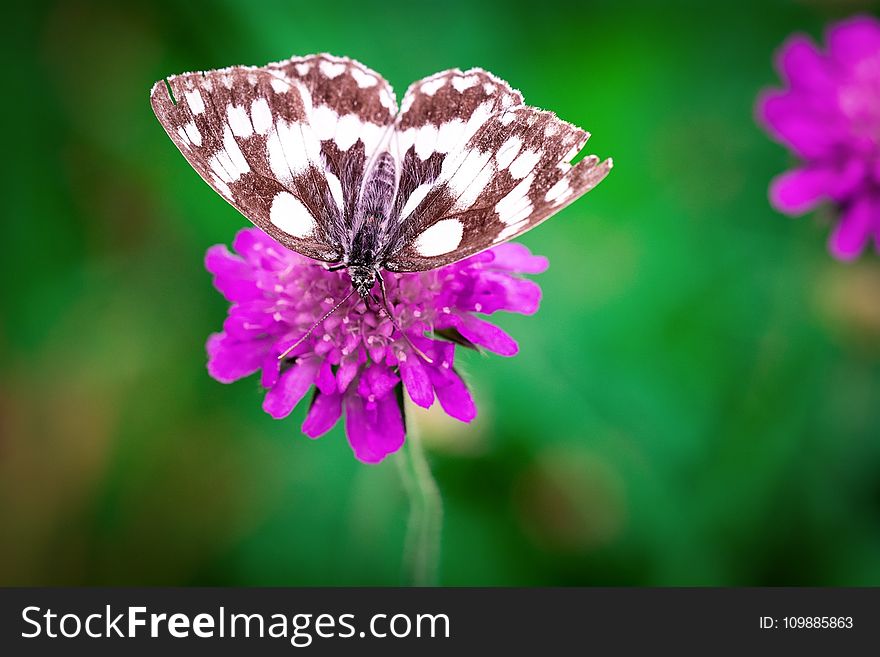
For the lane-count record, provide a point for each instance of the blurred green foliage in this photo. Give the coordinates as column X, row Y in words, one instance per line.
column 696, row 403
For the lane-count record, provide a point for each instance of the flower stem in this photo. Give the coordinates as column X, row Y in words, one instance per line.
column 422, row 548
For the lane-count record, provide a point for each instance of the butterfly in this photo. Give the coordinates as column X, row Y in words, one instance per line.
column 315, row 152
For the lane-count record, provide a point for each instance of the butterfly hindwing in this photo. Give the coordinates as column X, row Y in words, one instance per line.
column 479, row 168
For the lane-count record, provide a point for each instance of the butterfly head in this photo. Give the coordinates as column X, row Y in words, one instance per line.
column 363, row 278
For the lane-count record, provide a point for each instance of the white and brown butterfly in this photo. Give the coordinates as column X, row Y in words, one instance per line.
column 315, row 152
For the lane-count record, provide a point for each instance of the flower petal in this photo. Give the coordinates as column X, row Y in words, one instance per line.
column 800, row 62
column 854, row 40
column 325, row 380
column 233, row 277
column 516, row 257
column 378, row 381
column 808, row 130
column 348, row 370
column 373, row 430
column 855, row 228
column 795, row 192
column 291, row 387
column 416, row 380
column 323, row 414
column 230, row 360
column 501, row 291
column 271, row 370
column 258, row 248
column 453, row 394
column 484, row 334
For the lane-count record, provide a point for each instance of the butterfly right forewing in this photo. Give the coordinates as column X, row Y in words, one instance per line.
column 287, row 144
column 481, row 168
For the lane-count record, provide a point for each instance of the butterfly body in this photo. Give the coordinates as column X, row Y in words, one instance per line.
column 314, row 151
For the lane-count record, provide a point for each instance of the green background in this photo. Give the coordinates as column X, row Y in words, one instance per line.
column 696, row 403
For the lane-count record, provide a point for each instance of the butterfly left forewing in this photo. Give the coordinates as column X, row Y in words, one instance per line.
column 287, row 144
column 508, row 170
column 231, row 125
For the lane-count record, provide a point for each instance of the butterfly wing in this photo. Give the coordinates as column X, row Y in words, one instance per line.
column 286, row 144
column 478, row 168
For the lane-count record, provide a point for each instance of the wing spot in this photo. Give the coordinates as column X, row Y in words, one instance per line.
column 508, row 152
column 192, row 132
column 461, row 84
column 415, row 198
column 442, row 237
column 324, row 122
column 183, row 136
column 510, row 231
column 476, row 121
column 524, row 163
column 433, row 86
column 449, row 135
column 240, row 165
column 286, row 150
column 348, row 128
column 335, row 188
column 291, row 216
column 406, row 104
column 426, row 139
column 559, row 192
column 217, row 166
column 222, row 187
column 370, row 134
column 507, row 117
column 468, row 171
column 364, row 80
column 195, row 101
column 303, row 68
column 261, row 115
column 387, row 100
column 331, row 69
column 239, row 121
column 280, row 86
column 509, row 207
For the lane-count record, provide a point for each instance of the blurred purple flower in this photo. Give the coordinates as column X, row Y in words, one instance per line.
column 356, row 358
column 829, row 116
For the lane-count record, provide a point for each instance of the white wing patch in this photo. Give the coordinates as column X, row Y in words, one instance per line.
column 442, row 237
column 418, row 195
column 525, row 163
column 332, row 69
column 195, row 101
column 192, row 133
column 239, row 121
column 291, row 216
column 348, row 129
column 261, row 116
column 508, row 152
column 515, row 204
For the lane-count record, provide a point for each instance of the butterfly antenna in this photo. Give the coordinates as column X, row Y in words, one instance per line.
column 314, row 326
column 396, row 325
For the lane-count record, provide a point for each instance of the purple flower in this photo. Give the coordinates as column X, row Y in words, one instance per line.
column 830, row 117
column 355, row 358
